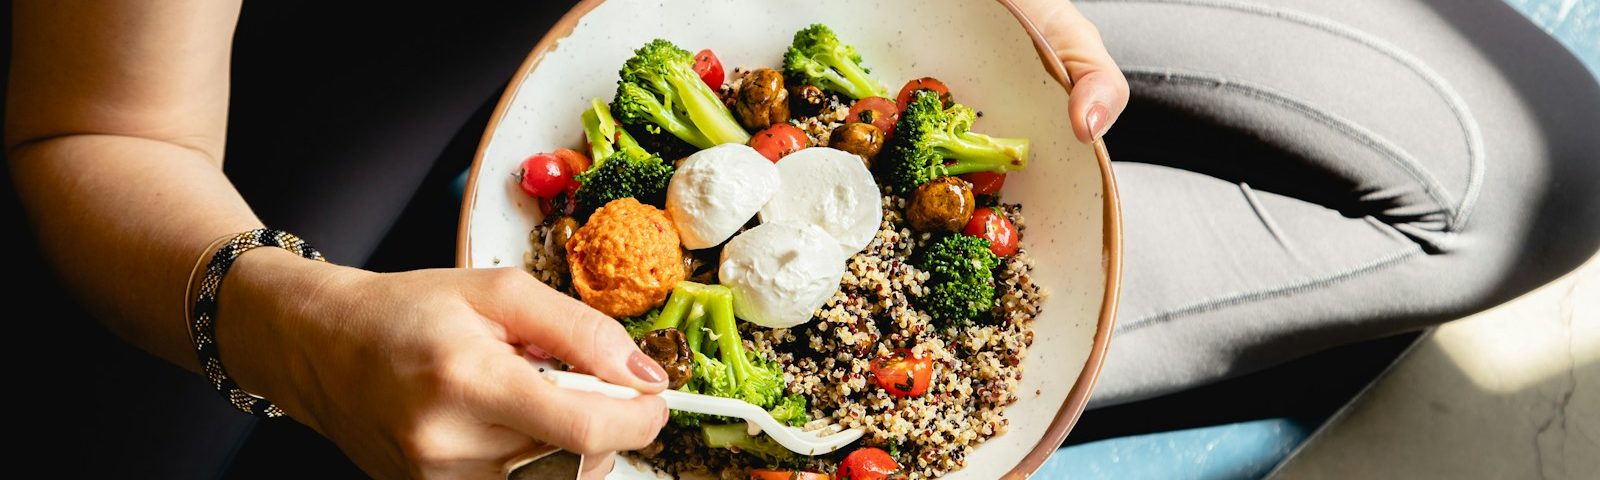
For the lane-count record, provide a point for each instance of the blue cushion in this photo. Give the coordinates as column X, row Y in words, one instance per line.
column 1245, row 450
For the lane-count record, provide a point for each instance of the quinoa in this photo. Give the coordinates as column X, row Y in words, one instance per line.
column 548, row 267
column 976, row 367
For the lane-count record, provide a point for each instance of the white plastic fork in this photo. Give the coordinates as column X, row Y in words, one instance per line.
column 815, row 442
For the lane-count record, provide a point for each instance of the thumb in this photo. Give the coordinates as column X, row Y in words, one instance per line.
column 538, row 316
column 1099, row 90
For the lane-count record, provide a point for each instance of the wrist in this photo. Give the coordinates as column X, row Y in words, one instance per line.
column 265, row 327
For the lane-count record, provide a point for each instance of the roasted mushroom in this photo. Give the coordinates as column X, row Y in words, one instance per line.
column 762, row 100
column 862, row 139
column 807, row 100
column 669, row 348
column 942, row 204
column 555, row 242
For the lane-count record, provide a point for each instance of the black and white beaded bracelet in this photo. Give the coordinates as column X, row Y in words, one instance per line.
column 202, row 323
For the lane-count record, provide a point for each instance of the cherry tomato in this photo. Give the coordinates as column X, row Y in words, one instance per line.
column 867, row 464
column 543, row 175
column 985, row 183
column 709, row 68
column 878, row 111
column 576, row 162
column 763, row 474
column 924, row 83
column 903, row 374
column 994, row 227
column 778, row 140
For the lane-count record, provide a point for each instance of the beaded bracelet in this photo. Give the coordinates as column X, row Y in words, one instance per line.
column 202, row 323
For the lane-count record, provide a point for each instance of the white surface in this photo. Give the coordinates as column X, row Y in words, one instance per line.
column 716, row 190
column 831, row 189
column 976, row 47
column 781, row 272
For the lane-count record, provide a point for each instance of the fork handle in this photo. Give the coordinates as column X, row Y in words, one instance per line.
column 676, row 400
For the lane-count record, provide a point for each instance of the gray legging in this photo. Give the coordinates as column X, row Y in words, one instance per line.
column 1292, row 181
column 1300, row 174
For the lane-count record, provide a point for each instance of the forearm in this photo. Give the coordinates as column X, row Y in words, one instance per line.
column 124, row 219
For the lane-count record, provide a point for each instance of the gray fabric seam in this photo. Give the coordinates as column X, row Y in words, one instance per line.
column 1266, row 220
column 1458, row 106
column 1387, row 149
column 1208, row 305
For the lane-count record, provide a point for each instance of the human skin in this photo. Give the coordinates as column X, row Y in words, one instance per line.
column 116, row 120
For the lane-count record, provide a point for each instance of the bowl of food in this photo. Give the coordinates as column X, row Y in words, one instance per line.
column 853, row 215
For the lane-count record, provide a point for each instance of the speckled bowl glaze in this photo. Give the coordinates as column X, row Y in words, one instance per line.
column 992, row 59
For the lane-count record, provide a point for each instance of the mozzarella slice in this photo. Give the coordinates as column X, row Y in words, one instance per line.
column 781, row 273
column 716, row 191
column 831, row 189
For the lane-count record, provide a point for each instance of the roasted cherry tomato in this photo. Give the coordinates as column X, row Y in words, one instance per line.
column 576, row 163
column 903, row 374
column 867, row 464
column 878, row 111
column 709, row 68
column 778, row 140
column 985, row 183
column 762, row 474
column 543, row 175
column 924, row 83
column 994, row 227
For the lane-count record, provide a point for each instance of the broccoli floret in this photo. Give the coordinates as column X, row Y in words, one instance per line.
column 817, row 57
column 660, row 89
column 928, row 135
column 722, row 366
column 960, row 285
column 791, row 409
column 621, row 167
column 748, row 377
column 640, row 325
column 736, row 436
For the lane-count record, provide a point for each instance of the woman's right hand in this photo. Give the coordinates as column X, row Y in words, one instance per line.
column 420, row 374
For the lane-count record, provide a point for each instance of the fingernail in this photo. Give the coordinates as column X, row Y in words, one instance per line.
column 535, row 352
column 646, row 369
column 1096, row 120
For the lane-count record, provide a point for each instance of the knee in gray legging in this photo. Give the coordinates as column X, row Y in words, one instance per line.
column 1300, row 174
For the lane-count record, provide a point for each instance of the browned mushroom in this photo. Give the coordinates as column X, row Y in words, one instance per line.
column 862, row 139
column 807, row 100
column 762, row 100
column 669, row 348
column 943, row 204
column 555, row 242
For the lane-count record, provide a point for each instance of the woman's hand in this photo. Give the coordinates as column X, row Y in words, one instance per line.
column 1099, row 91
column 420, row 374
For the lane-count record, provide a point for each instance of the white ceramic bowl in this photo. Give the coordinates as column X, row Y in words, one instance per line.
column 987, row 53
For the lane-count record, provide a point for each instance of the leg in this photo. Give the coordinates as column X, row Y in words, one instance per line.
column 1302, row 175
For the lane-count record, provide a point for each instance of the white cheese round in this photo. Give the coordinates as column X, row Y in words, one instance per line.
column 716, row 191
column 781, row 273
column 831, row 189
